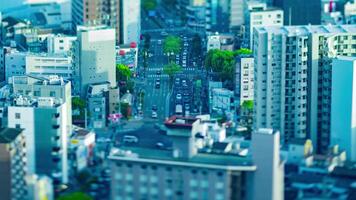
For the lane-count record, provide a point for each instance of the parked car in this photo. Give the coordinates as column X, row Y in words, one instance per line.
column 154, row 114
column 179, row 96
column 130, row 139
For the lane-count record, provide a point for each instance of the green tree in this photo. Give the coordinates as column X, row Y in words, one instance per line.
column 75, row 196
column 171, row 69
column 149, row 4
column 172, row 44
column 78, row 103
column 243, row 51
column 222, row 62
column 248, row 105
column 122, row 72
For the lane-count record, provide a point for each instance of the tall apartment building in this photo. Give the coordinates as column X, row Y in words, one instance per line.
column 13, row 164
column 244, row 78
column 217, row 16
column 257, row 14
column 95, row 57
column 236, row 14
column 123, row 15
column 44, row 120
column 293, row 78
column 300, row 12
column 343, row 105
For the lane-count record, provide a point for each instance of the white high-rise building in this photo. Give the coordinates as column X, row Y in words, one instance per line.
column 44, row 120
column 257, row 14
column 244, row 78
column 293, row 78
column 343, row 105
column 95, row 57
column 131, row 21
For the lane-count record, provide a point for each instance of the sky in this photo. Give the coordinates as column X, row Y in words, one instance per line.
column 4, row 4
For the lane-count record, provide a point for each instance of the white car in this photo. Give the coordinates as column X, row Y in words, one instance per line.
column 154, row 114
column 179, row 96
column 130, row 139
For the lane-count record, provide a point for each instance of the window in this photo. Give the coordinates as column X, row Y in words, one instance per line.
column 17, row 115
column 52, row 93
column 17, row 126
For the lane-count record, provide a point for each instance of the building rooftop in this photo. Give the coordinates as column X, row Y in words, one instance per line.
column 180, row 122
column 35, row 80
column 206, row 160
column 307, row 29
column 7, row 135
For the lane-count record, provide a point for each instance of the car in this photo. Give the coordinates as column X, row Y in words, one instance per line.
column 159, row 42
column 130, row 139
column 158, row 72
column 163, row 33
column 186, row 106
column 184, row 65
column 179, row 96
column 186, row 44
column 154, row 107
column 154, row 115
column 177, row 81
column 157, row 83
column 184, row 53
column 159, row 145
column 184, row 82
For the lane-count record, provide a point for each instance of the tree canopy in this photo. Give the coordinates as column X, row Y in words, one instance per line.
column 149, row 4
column 75, row 196
column 248, row 104
column 222, row 62
column 122, row 72
column 171, row 69
column 172, row 44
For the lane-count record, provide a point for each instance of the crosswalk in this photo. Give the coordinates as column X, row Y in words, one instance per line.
column 161, row 69
column 157, row 76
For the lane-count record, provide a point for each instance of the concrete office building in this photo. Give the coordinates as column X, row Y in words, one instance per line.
column 343, row 105
column 95, row 57
column 15, row 63
column 60, row 44
column 192, row 172
column 236, row 14
column 257, row 14
column 244, row 78
column 123, row 15
column 183, row 173
column 300, row 12
column 268, row 179
column 44, row 120
column 44, row 87
column 46, row 65
column 221, row 42
column 13, row 164
column 293, row 78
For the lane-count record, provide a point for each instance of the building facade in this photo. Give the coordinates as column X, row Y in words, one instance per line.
column 95, row 57
column 13, row 164
column 293, row 78
column 244, row 78
column 124, row 16
column 45, row 121
column 343, row 105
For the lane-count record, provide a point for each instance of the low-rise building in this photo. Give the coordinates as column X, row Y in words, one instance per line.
column 221, row 42
column 82, row 143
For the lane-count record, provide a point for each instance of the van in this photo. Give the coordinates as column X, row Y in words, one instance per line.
column 130, row 139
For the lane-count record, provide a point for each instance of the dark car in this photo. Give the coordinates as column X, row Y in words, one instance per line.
column 158, row 72
column 154, row 107
column 158, row 83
